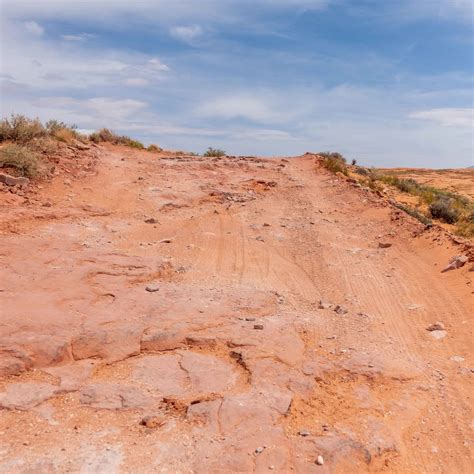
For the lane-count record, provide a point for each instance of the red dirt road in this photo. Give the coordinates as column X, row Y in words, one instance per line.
column 195, row 342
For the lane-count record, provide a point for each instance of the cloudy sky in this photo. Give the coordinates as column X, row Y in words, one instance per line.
column 386, row 82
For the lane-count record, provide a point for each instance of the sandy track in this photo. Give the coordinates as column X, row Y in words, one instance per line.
column 238, row 367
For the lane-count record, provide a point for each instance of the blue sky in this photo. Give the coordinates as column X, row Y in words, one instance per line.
column 386, row 82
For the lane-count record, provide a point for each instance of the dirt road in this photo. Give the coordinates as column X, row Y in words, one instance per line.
column 165, row 315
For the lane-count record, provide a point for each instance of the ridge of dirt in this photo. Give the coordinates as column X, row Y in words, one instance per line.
column 234, row 314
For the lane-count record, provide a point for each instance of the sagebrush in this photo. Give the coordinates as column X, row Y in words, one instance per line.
column 21, row 159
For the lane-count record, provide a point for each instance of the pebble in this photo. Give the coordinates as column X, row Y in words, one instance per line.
column 259, row 450
column 165, row 241
column 384, row 245
column 324, row 304
column 438, row 334
column 152, row 288
column 437, row 326
column 319, row 460
column 457, row 359
column 304, row 433
column 249, row 319
column 258, row 326
column 152, row 421
column 340, row 309
column 152, row 220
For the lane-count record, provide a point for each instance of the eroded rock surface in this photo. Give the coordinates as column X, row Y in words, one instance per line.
column 231, row 332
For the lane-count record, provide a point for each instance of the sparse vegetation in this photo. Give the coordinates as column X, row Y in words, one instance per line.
column 334, row 162
column 22, row 159
column 154, row 148
column 414, row 213
column 436, row 203
column 214, row 152
column 443, row 209
column 106, row 135
column 20, row 129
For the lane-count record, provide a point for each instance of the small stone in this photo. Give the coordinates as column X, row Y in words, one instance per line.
column 152, row 220
column 266, row 224
column 165, row 241
column 152, row 421
column 249, row 319
column 324, row 304
column 258, row 326
column 457, row 359
column 456, row 262
column 304, row 433
column 384, row 245
column 13, row 180
column 259, row 238
column 319, row 460
column 340, row 309
column 259, row 450
column 438, row 334
column 152, row 288
column 437, row 326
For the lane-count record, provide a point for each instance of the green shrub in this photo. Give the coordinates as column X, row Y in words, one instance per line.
column 21, row 129
column 334, row 162
column 21, row 158
column 216, row 152
column 444, row 209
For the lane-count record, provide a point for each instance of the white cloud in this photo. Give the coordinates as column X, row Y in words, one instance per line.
column 156, row 64
column 186, row 33
column 33, row 28
column 107, row 107
column 136, row 82
column 237, row 106
column 80, row 37
column 71, row 64
column 447, row 117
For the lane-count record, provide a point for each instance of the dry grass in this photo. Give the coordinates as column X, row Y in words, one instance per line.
column 21, row 158
column 20, row 129
column 106, row 135
column 214, row 152
column 154, row 148
column 334, row 162
column 433, row 202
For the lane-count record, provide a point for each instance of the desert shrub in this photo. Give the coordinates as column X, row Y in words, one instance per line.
column 408, row 185
column 334, row 162
column 444, row 209
column 45, row 145
column 103, row 135
column 65, row 135
column 154, row 148
column 466, row 227
column 216, row 152
column 127, row 141
column 61, row 131
column 106, row 135
column 362, row 171
column 21, row 129
column 414, row 213
column 21, row 158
